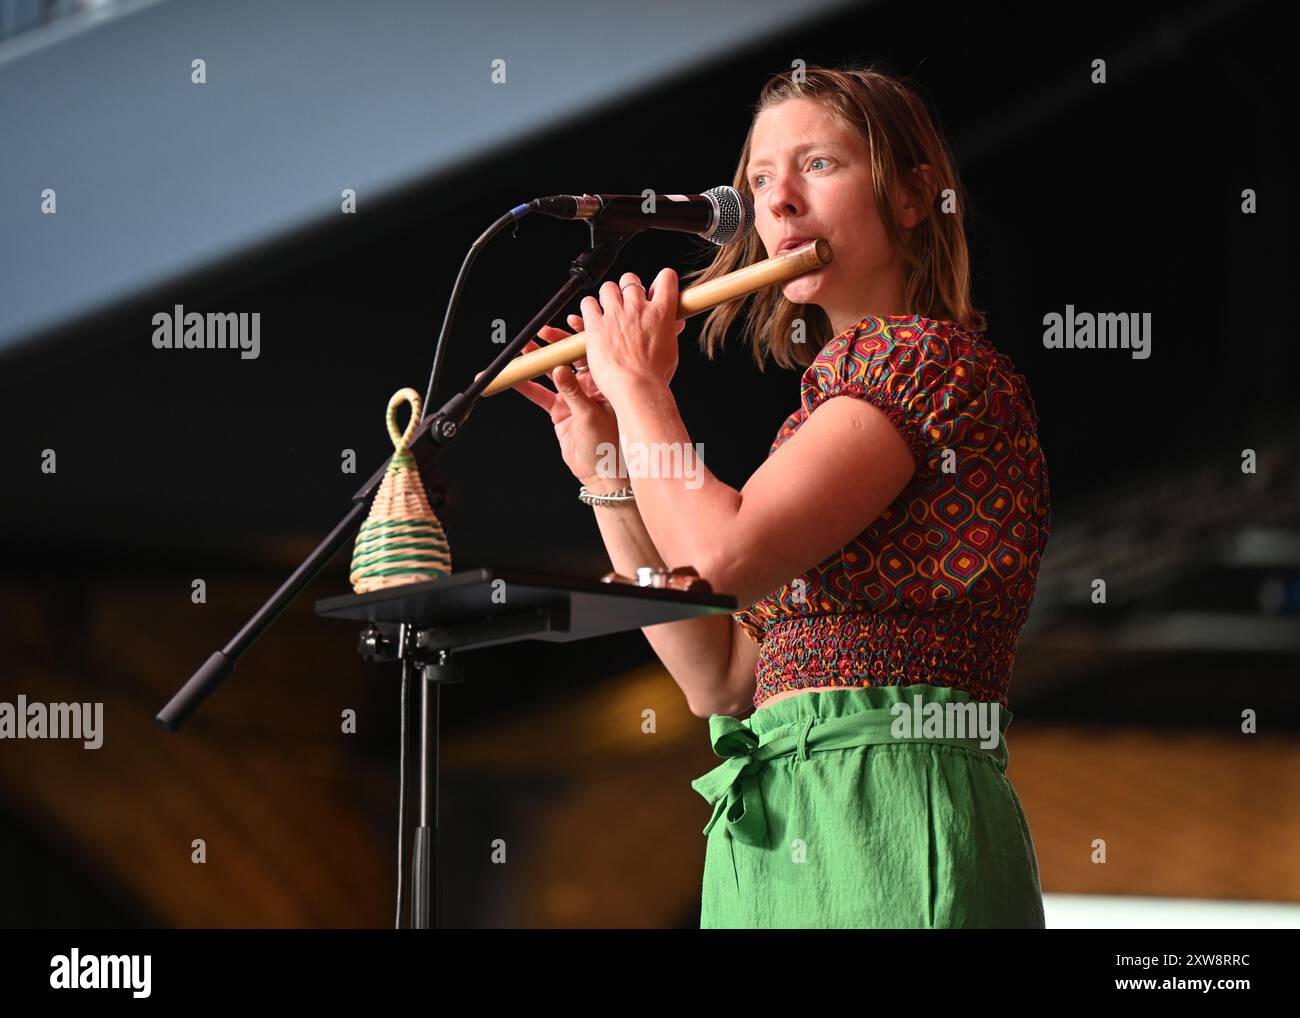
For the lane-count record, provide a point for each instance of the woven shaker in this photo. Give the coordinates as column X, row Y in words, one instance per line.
column 401, row 541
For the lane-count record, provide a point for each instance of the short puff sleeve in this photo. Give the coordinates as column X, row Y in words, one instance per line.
column 924, row 375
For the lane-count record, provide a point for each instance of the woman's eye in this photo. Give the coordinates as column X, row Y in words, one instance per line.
column 756, row 183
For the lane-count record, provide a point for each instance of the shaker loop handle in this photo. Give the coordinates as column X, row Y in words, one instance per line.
column 402, row 440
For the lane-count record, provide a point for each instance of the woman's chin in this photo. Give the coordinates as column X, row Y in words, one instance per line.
column 801, row 291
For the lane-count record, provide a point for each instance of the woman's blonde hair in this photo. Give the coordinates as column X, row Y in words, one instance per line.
column 890, row 116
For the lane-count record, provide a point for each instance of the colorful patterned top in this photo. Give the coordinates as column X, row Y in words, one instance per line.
column 937, row 589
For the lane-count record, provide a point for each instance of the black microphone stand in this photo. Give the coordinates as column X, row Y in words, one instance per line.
column 432, row 436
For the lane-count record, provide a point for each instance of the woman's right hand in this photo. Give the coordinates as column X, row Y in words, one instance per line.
column 585, row 425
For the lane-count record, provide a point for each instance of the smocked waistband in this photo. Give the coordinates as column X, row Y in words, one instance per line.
column 975, row 653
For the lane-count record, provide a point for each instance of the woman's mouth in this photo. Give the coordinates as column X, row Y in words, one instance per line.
column 793, row 242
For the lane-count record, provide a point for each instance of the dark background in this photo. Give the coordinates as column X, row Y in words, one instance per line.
column 1120, row 197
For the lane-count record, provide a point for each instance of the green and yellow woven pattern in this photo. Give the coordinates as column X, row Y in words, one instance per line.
column 401, row 540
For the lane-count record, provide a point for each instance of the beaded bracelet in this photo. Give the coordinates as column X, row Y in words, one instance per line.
column 623, row 494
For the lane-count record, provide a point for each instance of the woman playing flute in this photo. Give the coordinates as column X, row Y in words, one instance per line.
column 887, row 549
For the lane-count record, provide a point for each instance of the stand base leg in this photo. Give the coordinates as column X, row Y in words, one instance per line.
column 422, row 888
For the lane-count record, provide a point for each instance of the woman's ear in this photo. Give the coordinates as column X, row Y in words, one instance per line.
column 914, row 203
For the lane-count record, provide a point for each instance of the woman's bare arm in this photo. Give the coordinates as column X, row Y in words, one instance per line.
column 741, row 675
column 820, row 489
column 697, row 651
column 823, row 486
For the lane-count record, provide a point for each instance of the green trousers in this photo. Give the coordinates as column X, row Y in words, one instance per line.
column 842, row 809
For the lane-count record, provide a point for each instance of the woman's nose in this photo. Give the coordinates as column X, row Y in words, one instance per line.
column 783, row 199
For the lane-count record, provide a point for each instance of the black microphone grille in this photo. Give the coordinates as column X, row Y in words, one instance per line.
column 735, row 215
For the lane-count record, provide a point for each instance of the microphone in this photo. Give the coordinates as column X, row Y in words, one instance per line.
column 721, row 215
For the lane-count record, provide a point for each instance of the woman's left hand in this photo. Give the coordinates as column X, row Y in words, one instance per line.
column 631, row 335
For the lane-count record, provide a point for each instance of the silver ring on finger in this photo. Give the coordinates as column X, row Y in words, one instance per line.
column 579, row 370
column 626, row 285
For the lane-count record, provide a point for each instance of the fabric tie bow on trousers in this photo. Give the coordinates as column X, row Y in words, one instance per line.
column 734, row 788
